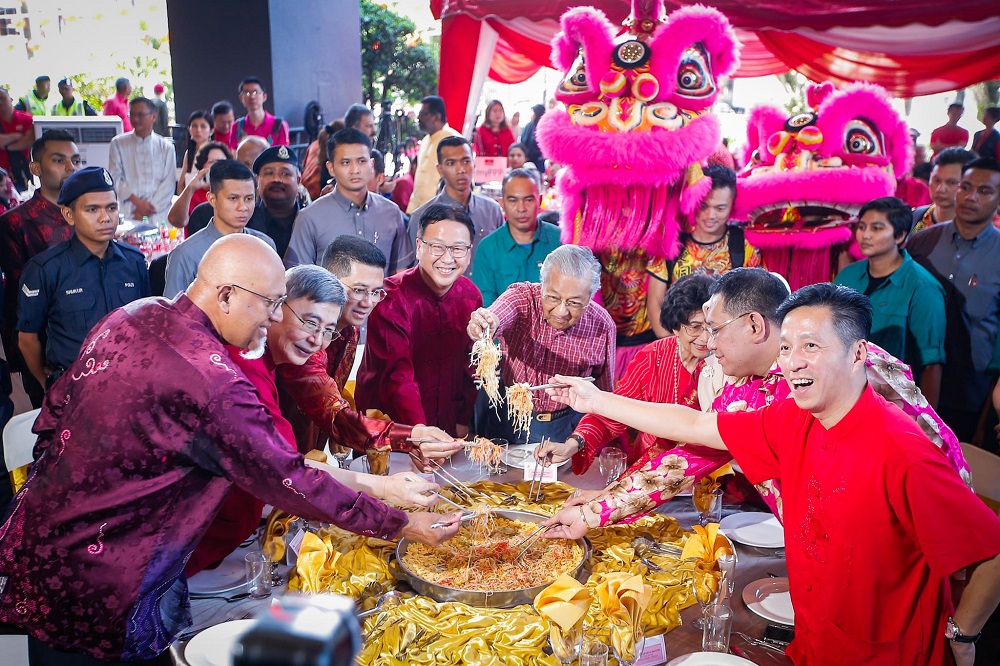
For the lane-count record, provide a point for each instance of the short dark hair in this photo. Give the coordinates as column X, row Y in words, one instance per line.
column 751, row 290
column 518, row 145
column 251, row 79
column 65, row 81
column 143, row 100
column 347, row 137
column 43, row 77
column 685, row 296
column 955, row 105
column 438, row 212
column 436, row 105
column 899, row 214
column 221, row 108
column 343, row 250
column 378, row 161
column 993, row 112
column 314, row 284
column 984, row 163
column 355, row 112
column 530, row 174
column 923, row 171
column 121, row 84
column 451, row 142
column 38, row 147
column 201, row 157
column 953, row 155
column 227, row 170
column 722, row 177
column 851, row 310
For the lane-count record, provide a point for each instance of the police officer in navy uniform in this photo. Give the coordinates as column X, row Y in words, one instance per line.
column 67, row 289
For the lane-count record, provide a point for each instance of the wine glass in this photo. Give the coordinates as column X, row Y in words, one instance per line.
column 566, row 643
column 340, row 454
column 699, row 622
column 639, row 639
column 611, row 463
column 708, row 501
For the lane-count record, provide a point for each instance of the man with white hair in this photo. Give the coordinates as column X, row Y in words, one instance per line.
column 546, row 329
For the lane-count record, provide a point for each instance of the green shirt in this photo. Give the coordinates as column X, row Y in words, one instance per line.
column 908, row 319
column 500, row 261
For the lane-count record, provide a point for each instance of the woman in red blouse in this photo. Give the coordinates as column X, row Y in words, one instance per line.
column 494, row 137
column 664, row 371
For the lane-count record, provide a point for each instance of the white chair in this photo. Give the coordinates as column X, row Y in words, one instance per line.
column 985, row 468
column 18, row 440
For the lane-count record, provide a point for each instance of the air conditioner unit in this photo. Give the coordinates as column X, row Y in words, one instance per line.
column 92, row 134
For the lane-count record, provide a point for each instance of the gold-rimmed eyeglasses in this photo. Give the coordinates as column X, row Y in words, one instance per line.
column 275, row 303
column 438, row 250
column 312, row 328
column 361, row 293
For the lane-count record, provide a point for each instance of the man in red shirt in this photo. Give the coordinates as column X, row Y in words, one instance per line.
column 223, row 120
column 118, row 104
column 16, row 134
column 259, row 122
column 950, row 134
column 876, row 521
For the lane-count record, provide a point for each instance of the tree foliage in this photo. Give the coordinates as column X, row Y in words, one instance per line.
column 395, row 62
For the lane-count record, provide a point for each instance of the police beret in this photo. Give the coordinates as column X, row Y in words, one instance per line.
column 90, row 179
column 274, row 154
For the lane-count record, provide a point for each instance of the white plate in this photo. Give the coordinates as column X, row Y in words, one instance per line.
column 521, row 455
column 769, row 598
column 398, row 462
column 214, row 646
column 709, row 659
column 227, row 577
column 754, row 529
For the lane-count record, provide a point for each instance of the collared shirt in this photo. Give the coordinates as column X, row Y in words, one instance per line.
column 486, row 214
column 378, row 220
column 67, row 289
column 19, row 123
column 970, row 274
column 30, row 229
column 425, row 180
column 279, row 229
column 277, row 136
column 118, row 106
column 503, row 261
column 183, row 260
column 533, row 350
column 138, row 443
column 908, row 318
column 145, row 168
column 416, row 364
column 870, row 489
column 624, row 289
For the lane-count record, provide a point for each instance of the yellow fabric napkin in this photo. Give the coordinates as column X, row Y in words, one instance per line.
column 706, row 544
column 623, row 599
column 317, row 455
column 564, row 602
column 274, row 534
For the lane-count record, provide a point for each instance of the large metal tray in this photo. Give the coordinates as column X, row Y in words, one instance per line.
column 506, row 599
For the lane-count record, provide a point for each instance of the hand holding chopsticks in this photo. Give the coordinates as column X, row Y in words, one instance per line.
column 553, row 385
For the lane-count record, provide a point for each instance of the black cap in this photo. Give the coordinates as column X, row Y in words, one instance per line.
column 274, row 154
column 90, row 179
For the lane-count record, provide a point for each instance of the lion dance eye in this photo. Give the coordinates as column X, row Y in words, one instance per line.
column 576, row 80
column 694, row 76
column 860, row 138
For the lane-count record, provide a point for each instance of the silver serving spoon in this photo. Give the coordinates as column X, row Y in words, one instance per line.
column 390, row 599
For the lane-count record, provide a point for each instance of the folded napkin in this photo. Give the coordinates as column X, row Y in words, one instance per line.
column 278, row 523
column 706, row 544
column 623, row 599
column 317, row 455
column 564, row 602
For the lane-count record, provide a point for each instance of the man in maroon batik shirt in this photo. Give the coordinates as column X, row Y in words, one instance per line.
column 138, row 443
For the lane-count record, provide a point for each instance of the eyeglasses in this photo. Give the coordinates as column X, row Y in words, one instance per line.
column 714, row 332
column 438, row 250
column 360, row 293
column 312, row 328
column 251, row 93
column 275, row 303
column 695, row 330
column 555, row 301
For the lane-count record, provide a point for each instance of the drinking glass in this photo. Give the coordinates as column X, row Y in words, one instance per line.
column 258, row 569
column 708, row 502
column 566, row 643
column 611, row 463
column 727, row 565
column 593, row 653
column 699, row 623
column 718, row 625
column 625, row 660
column 340, row 455
column 378, row 462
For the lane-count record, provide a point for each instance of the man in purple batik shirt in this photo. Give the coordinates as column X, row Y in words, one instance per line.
column 138, row 444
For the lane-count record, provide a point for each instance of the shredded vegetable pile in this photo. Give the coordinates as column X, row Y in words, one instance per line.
column 519, row 408
column 486, row 454
column 486, row 357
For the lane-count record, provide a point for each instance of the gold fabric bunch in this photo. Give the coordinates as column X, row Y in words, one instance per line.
column 623, row 598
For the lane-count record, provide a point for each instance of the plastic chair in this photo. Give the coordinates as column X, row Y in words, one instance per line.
column 985, row 468
column 18, row 440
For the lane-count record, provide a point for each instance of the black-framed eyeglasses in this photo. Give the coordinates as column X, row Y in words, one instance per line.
column 312, row 328
column 275, row 303
column 361, row 293
column 714, row 332
column 438, row 250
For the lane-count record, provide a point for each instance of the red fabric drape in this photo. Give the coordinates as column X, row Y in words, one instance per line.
column 510, row 66
column 459, row 43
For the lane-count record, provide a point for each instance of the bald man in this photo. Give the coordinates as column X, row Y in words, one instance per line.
column 138, row 444
column 250, row 148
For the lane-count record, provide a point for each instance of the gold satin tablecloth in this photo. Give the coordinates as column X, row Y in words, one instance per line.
column 423, row 631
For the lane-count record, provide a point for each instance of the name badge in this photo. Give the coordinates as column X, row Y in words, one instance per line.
column 130, row 285
column 78, row 290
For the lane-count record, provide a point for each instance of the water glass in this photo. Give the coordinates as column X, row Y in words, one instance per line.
column 639, row 638
column 611, row 463
column 698, row 622
column 727, row 565
column 593, row 653
column 708, row 502
column 258, row 568
column 377, row 462
column 718, row 625
column 566, row 643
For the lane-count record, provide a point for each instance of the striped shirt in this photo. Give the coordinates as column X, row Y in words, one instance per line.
column 533, row 350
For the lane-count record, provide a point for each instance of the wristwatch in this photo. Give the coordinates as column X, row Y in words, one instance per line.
column 580, row 443
column 954, row 633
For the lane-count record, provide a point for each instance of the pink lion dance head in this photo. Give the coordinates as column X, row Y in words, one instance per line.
column 808, row 175
column 637, row 124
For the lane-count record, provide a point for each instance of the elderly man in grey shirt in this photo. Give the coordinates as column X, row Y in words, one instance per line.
column 455, row 164
column 350, row 209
